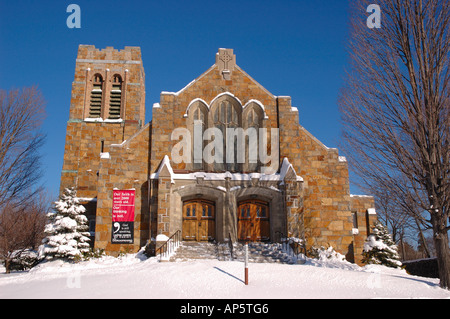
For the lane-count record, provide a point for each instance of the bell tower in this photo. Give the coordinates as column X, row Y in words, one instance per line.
column 107, row 107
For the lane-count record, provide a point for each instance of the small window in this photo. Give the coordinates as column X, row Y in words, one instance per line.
column 115, row 98
column 254, row 123
column 95, row 108
column 367, row 224
column 198, row 120
column 355, row 219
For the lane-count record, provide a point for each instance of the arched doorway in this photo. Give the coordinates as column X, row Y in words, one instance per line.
column 198, row 220
column 253, row 220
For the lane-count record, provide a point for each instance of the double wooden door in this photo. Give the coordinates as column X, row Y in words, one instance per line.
column 198, row 220
column 253, row 221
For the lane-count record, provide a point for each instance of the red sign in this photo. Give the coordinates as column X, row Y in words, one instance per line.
column 123, row 206
column 123, row 217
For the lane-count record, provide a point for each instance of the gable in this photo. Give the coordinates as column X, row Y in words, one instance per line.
column 222, row 78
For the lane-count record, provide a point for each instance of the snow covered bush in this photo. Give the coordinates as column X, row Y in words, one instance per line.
column 66, row 232
column 380, row 249
column 23, row 260
column 325, row 254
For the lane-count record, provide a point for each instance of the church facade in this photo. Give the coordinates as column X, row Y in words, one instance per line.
column 223, row 158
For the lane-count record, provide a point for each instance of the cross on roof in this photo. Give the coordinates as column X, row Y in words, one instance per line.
column 225, row 57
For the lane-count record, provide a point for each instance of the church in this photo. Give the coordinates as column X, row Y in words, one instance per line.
column 222, row 159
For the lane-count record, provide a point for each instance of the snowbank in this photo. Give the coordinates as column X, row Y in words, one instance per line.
column 134, row 276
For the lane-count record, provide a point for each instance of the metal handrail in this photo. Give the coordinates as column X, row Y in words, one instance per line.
column 296, row 249
column 169, row 246
column 230, row 245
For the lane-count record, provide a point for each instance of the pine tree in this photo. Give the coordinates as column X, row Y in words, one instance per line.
column 380, row 249
column 67, row 236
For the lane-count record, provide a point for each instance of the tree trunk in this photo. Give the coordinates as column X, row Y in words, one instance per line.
column 422, row 238
column 441, row 245
column 8, row 265
column 443, row 259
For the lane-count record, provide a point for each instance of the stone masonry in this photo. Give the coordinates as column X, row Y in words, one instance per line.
column 308, row 193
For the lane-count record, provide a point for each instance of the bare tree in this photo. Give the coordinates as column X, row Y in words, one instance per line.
column 21, row 115
column 396, row 109
column 22, row 228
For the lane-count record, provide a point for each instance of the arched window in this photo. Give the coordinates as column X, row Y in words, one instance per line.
column 226, row 116
column 95, row 107
column 253, row 123
column 199, row 123
column 225, row 135
column 115, row 98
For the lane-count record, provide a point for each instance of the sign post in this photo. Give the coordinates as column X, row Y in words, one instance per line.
column 123, row 217
column 246, row 263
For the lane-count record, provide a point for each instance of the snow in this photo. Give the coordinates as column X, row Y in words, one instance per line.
column 162, row 237
column 218, row 96
column 133, row 276
column 99, row 119
column 222, row 176
column 165, row 162
column 373, row 243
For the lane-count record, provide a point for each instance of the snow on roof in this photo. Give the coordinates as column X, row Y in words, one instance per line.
column 225, row 93
column 231, row 95
column 165, row 162
column 190, row 83
column 99, row 119
column 285, row 166
column 222, row 176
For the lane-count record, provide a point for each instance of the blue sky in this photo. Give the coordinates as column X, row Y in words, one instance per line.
column 294, row 48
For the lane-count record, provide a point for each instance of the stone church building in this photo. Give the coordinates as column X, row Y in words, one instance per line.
column 223, row 158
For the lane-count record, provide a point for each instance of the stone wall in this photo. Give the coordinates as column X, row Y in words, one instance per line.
column 364, row 208
column 312, row 200
column 88, row 138
column 126, row 167
column 326, row 199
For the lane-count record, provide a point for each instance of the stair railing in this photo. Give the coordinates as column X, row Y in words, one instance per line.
column 166, row 249
column 293, row 248
column 230, row 245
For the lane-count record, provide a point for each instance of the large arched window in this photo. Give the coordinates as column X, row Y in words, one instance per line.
column 225, row 135
column 115, row 98
column 95, row 106
column 227, row 118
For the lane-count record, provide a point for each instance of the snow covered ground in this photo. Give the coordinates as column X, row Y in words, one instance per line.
column 135, row 277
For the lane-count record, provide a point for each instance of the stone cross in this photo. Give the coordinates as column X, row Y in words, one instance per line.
column 226, row 61
column 225, row 57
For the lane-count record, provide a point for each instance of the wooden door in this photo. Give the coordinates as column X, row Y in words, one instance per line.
column 198, row 220
column 253, row 221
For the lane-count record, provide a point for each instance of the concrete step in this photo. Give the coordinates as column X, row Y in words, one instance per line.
column 195, row 250
column 258, row 252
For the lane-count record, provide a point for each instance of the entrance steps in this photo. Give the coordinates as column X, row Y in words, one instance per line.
column 258, row 252
column 189, row 250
